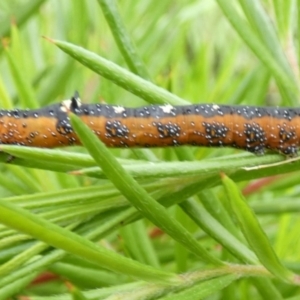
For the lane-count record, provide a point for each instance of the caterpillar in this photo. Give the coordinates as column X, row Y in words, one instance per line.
column 251, row 128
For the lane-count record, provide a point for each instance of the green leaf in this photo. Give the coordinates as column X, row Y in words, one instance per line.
column 23, row 85
column 284, row 12
column 21, row 15
column 20, row 259
column 54, row 82
column 268, row 36
column 120, row 76
column 78, row 273
column 212, row 227
column 266, row 31
column 138, row 243
column 6, row 102
column 34, row 225
column 76, row 293
column 122, row 38
column 267, row 288
column 260, row 50
column 203, row 289
column 253, row 232
column 12, row 289
column 64, row 161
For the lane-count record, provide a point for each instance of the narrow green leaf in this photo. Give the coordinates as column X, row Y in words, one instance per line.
column 212, row 227
column 16, row 47
column 122, row 38
column 76, row 293
column 94, row 231
column 253, row 232
column 5, row 101
column 120, row 76
column 79, row 10
column 215, row 207
column 208, row 169
column 52, row 156
column 138, row 243
column 21, row 15
column 257, row 47
column 203, row 289
column 55, row 82
column 266, row 31
column 267, row 288
column 12, row 289
column 14, row 187
column 148, row 170
column 181, row 253
column 26, row 177
column 23, row 85
column 18, row 260
column 268, row 36
column 285, row 205
column 71, row 196
column 135, row 193
column 86, row 275
column 283, row 12
column 32, row 224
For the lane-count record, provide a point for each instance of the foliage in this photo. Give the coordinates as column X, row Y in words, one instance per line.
column 92, row 223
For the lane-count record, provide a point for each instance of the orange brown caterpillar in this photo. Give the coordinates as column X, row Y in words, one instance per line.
column 251, row 128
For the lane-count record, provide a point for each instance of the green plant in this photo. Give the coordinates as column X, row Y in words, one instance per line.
column 90, row 215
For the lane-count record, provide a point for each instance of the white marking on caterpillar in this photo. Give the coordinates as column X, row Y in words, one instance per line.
column 118, row 109
column 66, row 104
column 167, row 108
column 215, row 106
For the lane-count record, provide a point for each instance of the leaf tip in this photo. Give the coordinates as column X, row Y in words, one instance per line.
column 222, row 175
column 75, row 172
column 296, row 279
column 5, row 43
column 48, row 39
column 69, row 286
